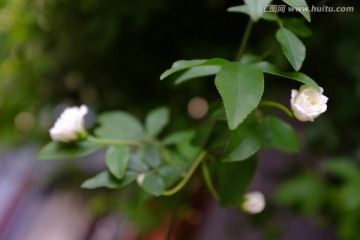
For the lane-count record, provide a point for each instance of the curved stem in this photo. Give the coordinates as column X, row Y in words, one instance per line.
column 277, row 105
column 187, row 176
column 245, row 39
column 113, row 142
column 208, row 181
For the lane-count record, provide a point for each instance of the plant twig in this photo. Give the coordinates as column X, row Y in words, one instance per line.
column 113, row 142
column 245, row 39
column 277, row 105
column 208, row 181
column 187, row 176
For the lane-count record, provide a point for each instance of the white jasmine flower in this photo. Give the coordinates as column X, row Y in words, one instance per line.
column 70, row 125
column 308, row 103
column 254, row 202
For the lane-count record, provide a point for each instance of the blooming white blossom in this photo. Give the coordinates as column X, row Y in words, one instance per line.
column 70, row 125
column 254, row 202
column 308, row 103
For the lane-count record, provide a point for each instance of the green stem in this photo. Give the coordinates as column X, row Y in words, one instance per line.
column 208, row 181
column 165, row 153
column 277, row 105
column 187, row 176
column 113, row 142
column 245, row 39
column 269, row 51
column 279, row 22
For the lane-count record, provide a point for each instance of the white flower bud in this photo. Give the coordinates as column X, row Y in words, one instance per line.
column 70, row 125
column 308, row 103
column 254, row 202
column 140, row 178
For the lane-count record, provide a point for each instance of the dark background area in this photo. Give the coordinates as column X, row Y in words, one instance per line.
column 110, row 54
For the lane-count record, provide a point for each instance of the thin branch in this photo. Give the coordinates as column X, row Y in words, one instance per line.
column 245, row 39
column 187, row 176
column 113, row 142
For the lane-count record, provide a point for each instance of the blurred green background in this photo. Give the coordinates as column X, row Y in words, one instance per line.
column 109, row 55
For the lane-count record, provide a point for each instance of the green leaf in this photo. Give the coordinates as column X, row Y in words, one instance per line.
column 249, row 58
column 177, row 137
column 178, row 160
column 280, row 135
column 151, row 155
column 106, row 179
column 344, row 168
column 136, row 162
column 196, row 72
column 245, row 141
column 256, row 8
column 119, row 125
column 272, row 69
column 297, row 26
column 240, row 9
column 308, row 192
column 170, row 174
column 187, row 151
column 153, row 184
column 116, row 159
column 234, row 179
column 58, row 150
column 253, row 8
column 186, row 64
column 301, row 6
column 219, row 137
column 241, row 88
column 349, row 197
column 292, row 46
column 202, row 135
column 268, row 16
column 156, row 120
